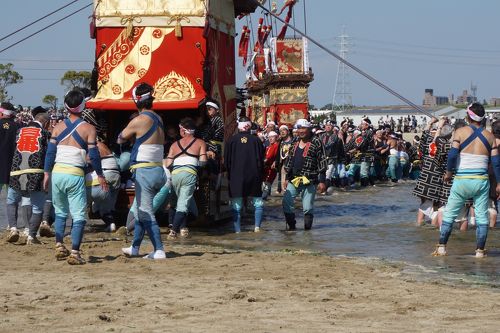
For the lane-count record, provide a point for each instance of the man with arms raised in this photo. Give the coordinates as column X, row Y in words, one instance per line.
column 471, row 150
column 147, row 167
column 71, row 140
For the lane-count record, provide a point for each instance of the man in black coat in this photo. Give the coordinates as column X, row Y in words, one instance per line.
column 244, row 162
column 8, row 129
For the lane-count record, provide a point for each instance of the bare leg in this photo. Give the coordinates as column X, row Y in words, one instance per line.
column 420, row 218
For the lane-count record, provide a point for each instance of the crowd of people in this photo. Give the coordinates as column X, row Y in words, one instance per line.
column 61, row 166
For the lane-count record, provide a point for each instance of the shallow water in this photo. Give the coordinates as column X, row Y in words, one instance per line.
column 377, row 223
column 371, row 223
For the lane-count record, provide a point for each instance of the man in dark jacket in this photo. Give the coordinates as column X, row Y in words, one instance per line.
column 26, row 176
column 8, row 129
column 306, row 168
column 244, row 162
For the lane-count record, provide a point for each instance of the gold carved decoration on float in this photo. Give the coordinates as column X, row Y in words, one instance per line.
column 291, row 117
column 174, row 87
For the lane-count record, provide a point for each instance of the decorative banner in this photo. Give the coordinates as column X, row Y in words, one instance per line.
column 153, row 55
column 288, row 114
column 259, row 66
column 288, row 96
column 289, row 56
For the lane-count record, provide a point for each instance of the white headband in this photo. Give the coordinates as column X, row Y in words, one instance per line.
column 473, row 116
column 77, row 109
column 6, row 112
column 188, row 131
column 244, row 125
column 213, row 105
column 140, row 97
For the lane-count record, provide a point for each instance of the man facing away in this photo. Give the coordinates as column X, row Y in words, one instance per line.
column 306, row 168
column 26, row 176
column 65, row 161
column 147, row 167
column 471, row 150
column 8, row 128
column 244, row 162
column 184, row 159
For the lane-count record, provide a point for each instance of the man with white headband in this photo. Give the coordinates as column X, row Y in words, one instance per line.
column 184, row 159
column 244, row 163
column 334, row 150
column 65, row 161
column 306, row 167
column 146, row 164
column 472, row 149
column 8, row 129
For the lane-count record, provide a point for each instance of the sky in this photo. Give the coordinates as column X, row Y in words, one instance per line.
column 409, row 45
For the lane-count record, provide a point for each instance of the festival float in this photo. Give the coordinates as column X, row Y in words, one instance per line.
column 277, row 67
column 185, row 49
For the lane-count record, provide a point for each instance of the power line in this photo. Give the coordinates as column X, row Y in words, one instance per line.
column 38, row 20
column 50, row 69
column 43, row 60
column 45, row 28
column 352, row 66
column 420, row 46
column 428, row 47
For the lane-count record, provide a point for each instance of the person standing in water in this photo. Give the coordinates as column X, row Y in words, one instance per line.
column 472, row 148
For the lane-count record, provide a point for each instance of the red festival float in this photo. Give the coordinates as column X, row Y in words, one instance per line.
column 184, row 48
column 278, row 73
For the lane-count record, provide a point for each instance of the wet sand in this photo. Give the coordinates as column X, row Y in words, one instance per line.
column 210, row 289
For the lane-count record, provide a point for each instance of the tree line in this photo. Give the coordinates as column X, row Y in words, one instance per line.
column 71, row 79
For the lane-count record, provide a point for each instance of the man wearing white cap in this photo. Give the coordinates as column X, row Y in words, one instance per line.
column 216, row 136
column 306, row 167
column 65, row 161
column 269, row 164
column 8, row 129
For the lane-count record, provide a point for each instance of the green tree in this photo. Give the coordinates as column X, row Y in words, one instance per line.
column 51, row 100
column 72, row 79
column 8, row 76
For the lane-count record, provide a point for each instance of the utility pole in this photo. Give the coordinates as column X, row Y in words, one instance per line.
column 342, row 97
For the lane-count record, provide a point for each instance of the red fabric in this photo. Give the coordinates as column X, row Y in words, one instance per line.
column 288, row 114
column 269, row 172
column 175, row 54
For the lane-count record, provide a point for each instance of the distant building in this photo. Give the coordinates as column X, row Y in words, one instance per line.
column 466, row 98
column 431, row 101
column 494, row 101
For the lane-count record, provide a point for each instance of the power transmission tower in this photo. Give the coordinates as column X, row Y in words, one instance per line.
column 473, row 89
column 342, row 97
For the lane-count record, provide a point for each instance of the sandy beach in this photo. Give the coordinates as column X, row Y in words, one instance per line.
column 210, row 289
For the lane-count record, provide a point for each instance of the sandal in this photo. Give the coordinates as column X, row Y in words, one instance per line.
column 75, row 258
column 61, row 251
